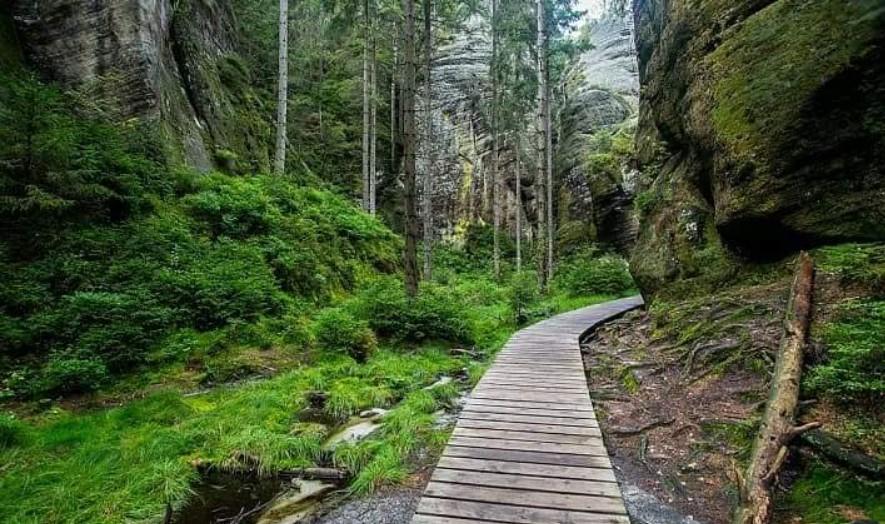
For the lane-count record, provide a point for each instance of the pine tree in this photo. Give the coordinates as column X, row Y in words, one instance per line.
column 410, row 256
column 282, row 88
column 430, row 148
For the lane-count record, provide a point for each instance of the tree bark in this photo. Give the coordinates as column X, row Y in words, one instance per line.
column 496, row 188
column 518, row 185
column 410, row 255
column 548, row 150
column 541, row 145
column 393, row 133
column 778, row 423
column 373, row 120
column 431, row 156
column 282, row 88
column 366, row 111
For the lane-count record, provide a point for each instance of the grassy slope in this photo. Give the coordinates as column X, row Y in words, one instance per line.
column 124, row 463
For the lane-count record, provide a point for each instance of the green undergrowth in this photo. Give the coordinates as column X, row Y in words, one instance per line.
column 825, row 495
column 126, row 463
column 118, row 464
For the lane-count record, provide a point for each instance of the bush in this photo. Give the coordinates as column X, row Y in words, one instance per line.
column 64, row 375
column 588, row 273
column 855, row 347
column 12, row 431
column 523, row 295
column 117, row 329
column 433, row 315
column 338, row 330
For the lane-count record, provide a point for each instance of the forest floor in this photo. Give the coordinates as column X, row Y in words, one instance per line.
column 679, row 392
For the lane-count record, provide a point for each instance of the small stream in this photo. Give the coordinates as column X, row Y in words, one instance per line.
column 224, row 497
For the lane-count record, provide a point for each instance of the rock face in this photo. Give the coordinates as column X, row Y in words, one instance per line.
column 601, row 96
column 760, row 132
column 176, row 66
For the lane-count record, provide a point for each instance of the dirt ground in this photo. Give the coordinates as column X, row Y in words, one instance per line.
column 676, row 408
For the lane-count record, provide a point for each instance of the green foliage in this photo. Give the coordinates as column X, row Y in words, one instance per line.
column 53, row 163
column 70, row 374
column 524, row 294
column 859, row 264
column 12, row 431
column 588, row 273
column 825, row 495
column 434, row 315
column 855, row 352
column 338, row 330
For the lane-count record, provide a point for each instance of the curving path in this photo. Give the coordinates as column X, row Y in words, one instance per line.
column 527, row 447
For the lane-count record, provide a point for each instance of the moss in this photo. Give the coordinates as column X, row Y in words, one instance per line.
column 764, row 70
column 825, row 495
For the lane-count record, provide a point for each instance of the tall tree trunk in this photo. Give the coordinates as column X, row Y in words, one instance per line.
column 282, row 88
column 541, row 146
column 373, row 123
column 496, row 186
column 518, row 209
column 366, row 111
column 410, row 256
column 548, row 151
column 431, row 152
column 548, row 144
column 393, row 133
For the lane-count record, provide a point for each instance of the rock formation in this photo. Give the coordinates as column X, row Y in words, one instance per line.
column 173, row 63
column 760, row 131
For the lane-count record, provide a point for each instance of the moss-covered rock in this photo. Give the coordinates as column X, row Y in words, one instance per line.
column 764, row 120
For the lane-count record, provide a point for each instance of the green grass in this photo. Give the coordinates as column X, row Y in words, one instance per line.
column 824, row 495
column 127, row 463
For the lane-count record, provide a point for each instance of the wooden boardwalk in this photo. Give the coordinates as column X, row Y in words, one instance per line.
column 527, row 447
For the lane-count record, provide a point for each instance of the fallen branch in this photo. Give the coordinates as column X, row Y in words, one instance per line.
column 845, row 456
column 325, row 474
column 641, row 429
column 778, row 423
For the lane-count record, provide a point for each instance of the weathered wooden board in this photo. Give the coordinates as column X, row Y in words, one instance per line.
column 527, row 447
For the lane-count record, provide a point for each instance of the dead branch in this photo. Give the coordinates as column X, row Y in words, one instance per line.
column 641, row 429
column 778, row 423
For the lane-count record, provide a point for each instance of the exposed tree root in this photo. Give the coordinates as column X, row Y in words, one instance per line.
column 778, row 423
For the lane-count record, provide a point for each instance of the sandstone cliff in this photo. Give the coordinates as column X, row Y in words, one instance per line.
column 174, row 63
column 761, row 131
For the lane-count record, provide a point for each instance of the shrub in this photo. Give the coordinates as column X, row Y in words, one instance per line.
column 116, row 328
column 433, row 315
column 587, row 273
column 523, row 295
column 855, row 354
column 12, row 431
column 64, row 375
column 338, row 330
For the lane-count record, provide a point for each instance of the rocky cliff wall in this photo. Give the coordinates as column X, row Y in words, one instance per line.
column 600, row 95
column 760, row 131
column 174, row 63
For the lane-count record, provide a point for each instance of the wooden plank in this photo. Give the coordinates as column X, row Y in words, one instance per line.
column 587, row 461
column 529, row 469
column 552, row 406
column 519, row 497
column 527, row 482
column 437, row 519
column 510, row 410
column 512, row 514
column 524, row 445
column 532, row 396
column 490, row 423
column 527, row 448
column 530, row 436
column 513, row 383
